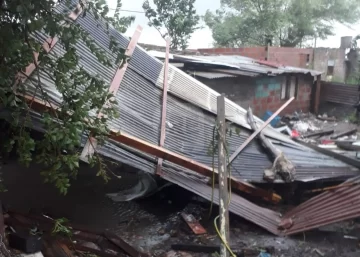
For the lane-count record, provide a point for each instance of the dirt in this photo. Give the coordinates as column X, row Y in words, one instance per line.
column 153, row 224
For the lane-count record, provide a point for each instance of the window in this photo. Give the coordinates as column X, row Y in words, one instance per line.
column 289, row 88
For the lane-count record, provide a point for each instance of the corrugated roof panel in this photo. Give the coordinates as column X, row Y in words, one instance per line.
column 244, row 63
column 263, row 217
column 332, row 206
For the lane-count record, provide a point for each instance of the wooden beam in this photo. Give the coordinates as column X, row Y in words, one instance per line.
column 255, row 133
column 164, row 104
column 90, row 145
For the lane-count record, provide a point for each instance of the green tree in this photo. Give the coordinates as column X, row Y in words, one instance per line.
column 174, row 19
column 280, row 22
column 59, row 147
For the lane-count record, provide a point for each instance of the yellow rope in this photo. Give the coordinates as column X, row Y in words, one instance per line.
column 228, row 175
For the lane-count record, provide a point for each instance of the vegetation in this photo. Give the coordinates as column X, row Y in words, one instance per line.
column 58, row 149
column 281, row 23
column 174, row 19
column 60, row 227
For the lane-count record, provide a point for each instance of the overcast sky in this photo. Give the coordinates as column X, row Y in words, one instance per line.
column 202, row 38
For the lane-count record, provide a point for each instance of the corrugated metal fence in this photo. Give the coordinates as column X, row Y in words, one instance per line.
column 339, row 93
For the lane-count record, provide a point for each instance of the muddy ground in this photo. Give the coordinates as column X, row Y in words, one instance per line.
column 154, row 224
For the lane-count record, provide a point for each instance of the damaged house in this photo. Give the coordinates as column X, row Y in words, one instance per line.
column 189, row 125
column 262, row 85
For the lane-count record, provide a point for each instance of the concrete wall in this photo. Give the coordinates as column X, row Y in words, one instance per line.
column 262, row 93
column 323, row 55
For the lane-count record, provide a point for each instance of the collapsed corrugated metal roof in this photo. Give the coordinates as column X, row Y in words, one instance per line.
column 238, row 62
column 191, row 114
column 335, row 205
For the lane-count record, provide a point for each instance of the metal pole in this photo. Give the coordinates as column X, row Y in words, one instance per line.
column 223, row 187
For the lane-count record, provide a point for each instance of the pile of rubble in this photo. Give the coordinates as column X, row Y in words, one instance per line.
column 339, row 136
column 33, row 235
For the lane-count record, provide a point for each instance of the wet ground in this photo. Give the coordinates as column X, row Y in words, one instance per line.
column 153, row 224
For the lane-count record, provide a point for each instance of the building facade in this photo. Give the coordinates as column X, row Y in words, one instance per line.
column 266, row 93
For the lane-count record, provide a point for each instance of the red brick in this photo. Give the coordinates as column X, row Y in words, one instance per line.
column 263, row 101
column 270, row 99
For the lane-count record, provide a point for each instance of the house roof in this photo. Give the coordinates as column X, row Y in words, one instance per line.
column 238, row 63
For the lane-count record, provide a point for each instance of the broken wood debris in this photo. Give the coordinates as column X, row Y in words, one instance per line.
column 282, row 166
column 319, row 133
column 115, row 246
column 345, row 133
column 195, row 226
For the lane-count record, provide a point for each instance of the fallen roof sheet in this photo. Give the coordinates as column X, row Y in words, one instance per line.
column 327, row 208
column 240, row 63
column 263, row 217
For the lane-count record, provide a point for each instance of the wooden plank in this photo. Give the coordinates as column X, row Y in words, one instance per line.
column 116, row 240
column 345, row 133
column 164, row 104
column 90, row 145
column 319, row 133
column 255, row 133
column 195, row 226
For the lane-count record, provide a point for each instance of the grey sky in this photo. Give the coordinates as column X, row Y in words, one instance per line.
column 202, row 38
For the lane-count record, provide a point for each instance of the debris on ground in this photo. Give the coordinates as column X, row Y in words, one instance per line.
column 32, row 234
column 196, row 227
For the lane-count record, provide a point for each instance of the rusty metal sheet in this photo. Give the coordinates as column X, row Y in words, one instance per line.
column 332, row 206
column 339, row 93
column 193, row 224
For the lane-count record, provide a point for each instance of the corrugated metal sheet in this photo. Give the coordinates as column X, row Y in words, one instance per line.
column 263, row 217
column 339, row 93
column 329, row 207
column 244, row 64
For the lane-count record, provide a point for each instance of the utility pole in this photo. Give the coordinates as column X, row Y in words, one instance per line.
column 223, row 177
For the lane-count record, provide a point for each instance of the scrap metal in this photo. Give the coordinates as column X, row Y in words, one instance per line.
column 329, row 207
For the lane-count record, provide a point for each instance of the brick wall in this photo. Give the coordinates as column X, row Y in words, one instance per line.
column 262, row 93
column 252, row 52
column 271, row 100
column 298, row 57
